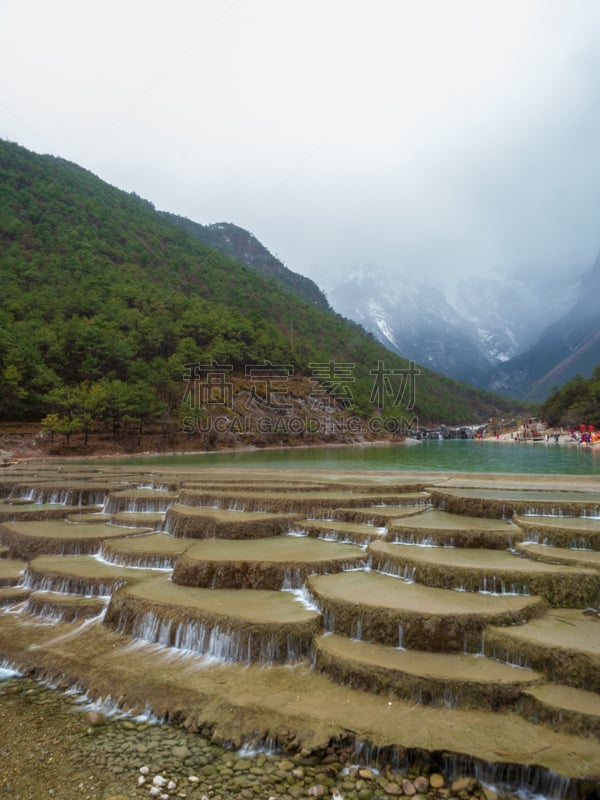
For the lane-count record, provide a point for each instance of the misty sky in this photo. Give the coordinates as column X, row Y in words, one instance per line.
column 431, row 137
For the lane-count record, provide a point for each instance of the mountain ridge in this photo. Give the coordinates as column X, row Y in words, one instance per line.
column 241, row 245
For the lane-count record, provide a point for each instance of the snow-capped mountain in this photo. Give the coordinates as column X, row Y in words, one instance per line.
column 489, row 322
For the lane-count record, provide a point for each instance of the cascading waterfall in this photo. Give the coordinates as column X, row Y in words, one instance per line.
column 215, row 641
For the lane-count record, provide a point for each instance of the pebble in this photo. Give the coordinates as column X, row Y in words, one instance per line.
column 164, row 762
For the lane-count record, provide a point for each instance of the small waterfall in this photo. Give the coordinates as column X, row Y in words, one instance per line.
column 335, row 536
column 215, row 641
column 50, row 612
column 482, row 645
column 109, row 707
column 7, row 671
column 357, row 629
column 292, row 580
column 579, row 543
column 419, row 541
column 328, row 621
column 448, row 700
column 257, row 746
column 135, row 560
column 171, row 524
column 403, row 571
column 533, row 537
column 505, row 657
column 81, row 587
column 26, row 493
column 139, row 505
column 401, row 637
column 496, row 586
column 505, row 779
column 304, row 596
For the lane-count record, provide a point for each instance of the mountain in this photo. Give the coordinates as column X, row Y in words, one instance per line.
column 509, row 313
column 106, row 305
column 243, row 247
column 413, row 320
column 489, row 323
column 569, row 346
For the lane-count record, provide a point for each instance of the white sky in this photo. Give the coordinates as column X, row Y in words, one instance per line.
column 432, row 137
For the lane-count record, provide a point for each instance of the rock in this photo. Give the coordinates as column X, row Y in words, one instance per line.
column 159, row 781
column 181, row 752
column 145, row 770
column 408, row 787
column 298, row 773
column 366, row 774
column 171, row 785
column 141, row 780
column 392, row 789
column 155, row 791
column 316, row 790
column 436, row 781
column 336, row 794
column 95, row 718
column 421, row 784
column 194, row 779
column 490, row 794
column 463, row 784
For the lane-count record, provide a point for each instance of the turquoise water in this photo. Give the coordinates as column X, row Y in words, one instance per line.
column 433, row 455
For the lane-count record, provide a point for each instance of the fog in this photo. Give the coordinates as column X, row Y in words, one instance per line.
column 437, row 139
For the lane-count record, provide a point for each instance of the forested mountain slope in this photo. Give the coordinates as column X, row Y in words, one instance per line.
column 243, row 247
column 101, row 296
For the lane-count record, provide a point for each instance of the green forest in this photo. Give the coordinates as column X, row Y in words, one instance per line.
column 104, row 301
column 575, row 403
